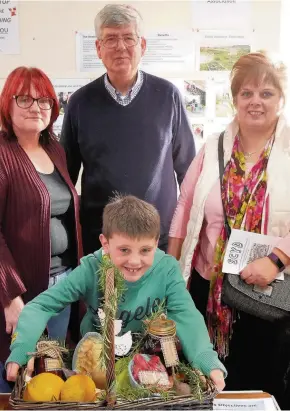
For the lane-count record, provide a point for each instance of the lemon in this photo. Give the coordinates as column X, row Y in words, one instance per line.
column 43, row 387
column 78, row 388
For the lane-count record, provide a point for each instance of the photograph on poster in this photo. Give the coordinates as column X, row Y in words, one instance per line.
column 223, row 100
column 220, row 49
column 198, row 130
column 195, row 97
column 64, row 89
column 63, row 98
column 221, row 58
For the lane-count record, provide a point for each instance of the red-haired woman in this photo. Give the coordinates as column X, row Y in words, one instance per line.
column 39, row 223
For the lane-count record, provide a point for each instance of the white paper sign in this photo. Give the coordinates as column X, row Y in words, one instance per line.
column 86, row 53
column 64, row 88
column 9, row 31
column 237, row 401
column 244, row 247
column 169, row 51
column 262, row 404
column 236, row 404
column 230, row 14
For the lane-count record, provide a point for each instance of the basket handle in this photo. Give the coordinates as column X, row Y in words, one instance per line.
column 110, row 348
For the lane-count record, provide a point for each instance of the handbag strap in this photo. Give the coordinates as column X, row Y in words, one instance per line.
column 221, row 174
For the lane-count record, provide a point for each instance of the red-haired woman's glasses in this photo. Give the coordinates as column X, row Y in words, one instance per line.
column 45, row 103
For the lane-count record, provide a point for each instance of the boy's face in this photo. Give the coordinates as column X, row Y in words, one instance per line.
column 133, row 257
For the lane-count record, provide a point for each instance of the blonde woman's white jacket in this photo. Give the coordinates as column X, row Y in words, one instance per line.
column 276, row 211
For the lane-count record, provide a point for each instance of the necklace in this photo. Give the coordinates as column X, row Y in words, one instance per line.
column 247, row 154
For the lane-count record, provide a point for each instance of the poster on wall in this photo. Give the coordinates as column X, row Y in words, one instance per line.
column 219, row 50
column 86, row 53
column 64, row 89
column 230, row 14
column 9, row 30
column 168, row 51
column 208, row 103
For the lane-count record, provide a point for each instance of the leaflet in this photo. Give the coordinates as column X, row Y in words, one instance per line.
column 244, row 247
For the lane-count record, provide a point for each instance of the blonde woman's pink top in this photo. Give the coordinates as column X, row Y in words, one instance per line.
column 213, row 218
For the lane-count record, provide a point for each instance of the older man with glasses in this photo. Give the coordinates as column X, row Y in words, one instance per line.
column 127, row 128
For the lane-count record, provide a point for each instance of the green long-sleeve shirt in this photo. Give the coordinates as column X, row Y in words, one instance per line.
column 163, row 281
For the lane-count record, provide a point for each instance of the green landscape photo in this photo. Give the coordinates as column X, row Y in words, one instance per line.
column 221, row 58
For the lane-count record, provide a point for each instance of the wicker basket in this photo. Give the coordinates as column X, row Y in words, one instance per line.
column 152, row 403
column 176, row 402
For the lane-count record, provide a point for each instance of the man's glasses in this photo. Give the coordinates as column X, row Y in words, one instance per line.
column 45, row 103
column 112, row 42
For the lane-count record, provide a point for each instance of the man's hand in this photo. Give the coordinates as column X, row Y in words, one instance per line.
column 13, row 368
column 260, row 272
column 12, row 312
column 217, row 376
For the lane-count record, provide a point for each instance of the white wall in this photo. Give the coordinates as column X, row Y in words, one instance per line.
column 47, row 30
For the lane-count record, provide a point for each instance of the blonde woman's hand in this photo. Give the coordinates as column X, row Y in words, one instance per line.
column 217, row 376
column 260, row 272
column 12, row 312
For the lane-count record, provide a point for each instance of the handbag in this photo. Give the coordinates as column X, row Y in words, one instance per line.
column 268, row 303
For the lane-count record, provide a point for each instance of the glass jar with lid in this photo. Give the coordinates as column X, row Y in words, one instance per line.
column 161, row 340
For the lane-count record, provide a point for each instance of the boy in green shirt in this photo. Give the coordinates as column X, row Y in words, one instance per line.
column 130, row 236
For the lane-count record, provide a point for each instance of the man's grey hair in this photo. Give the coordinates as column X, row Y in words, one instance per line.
column 115, row 15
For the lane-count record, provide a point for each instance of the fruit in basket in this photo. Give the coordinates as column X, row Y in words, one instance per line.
column 123, row 380
column 181, row 388
column 87, row 359
column 78, row 388
column 122, row 374
column 99, row 378
column 43, row 387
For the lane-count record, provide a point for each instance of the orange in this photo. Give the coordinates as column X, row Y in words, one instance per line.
column 99, row 378
column 43, row 387
column 78, row 388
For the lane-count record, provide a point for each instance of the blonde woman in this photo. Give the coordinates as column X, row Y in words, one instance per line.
column 255, row 193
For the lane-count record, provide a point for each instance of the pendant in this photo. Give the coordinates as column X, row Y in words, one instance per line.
column 248, row 155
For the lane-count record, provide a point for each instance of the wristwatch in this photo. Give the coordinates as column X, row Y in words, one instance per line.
column 276, row 260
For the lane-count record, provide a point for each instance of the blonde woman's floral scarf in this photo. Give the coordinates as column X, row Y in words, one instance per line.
column 243, row 197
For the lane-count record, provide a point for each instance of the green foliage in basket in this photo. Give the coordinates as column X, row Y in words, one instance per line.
column 110, row 308
column 105, row 265
column 195, row 380
column 136, row 393
column 161, row 309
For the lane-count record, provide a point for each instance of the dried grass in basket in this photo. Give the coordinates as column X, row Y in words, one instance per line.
column 169, row 403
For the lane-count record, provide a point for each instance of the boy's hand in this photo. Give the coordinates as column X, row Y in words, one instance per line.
column 12, row 312
column 217, row 376
column 13, row 368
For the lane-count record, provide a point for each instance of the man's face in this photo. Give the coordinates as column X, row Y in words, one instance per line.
column 132, row 257
column 116, row 51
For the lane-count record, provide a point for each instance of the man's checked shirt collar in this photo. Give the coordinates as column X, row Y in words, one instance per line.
column 125, row 100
